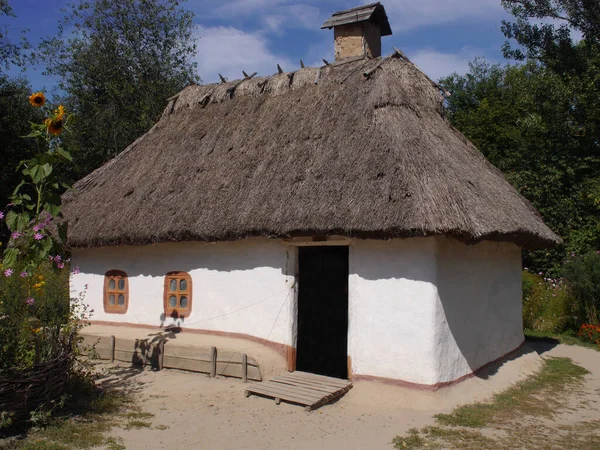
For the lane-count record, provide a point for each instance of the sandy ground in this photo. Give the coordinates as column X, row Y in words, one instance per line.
column 204, row 413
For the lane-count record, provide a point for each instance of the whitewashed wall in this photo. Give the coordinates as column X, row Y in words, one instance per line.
column 392, row 303
column 422, row 310
column 479, row 313
column 432, row 310
column 238, row 287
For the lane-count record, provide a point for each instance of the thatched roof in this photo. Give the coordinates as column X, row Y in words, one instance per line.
column 353, row 155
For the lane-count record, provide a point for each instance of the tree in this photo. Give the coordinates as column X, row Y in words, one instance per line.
column 522, row 118
column 9, row 53
column 118, row 62
column 15, row 115
column 544, row 30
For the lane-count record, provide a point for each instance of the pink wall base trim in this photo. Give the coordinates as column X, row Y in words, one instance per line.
column 435, row 387
column 282, row 349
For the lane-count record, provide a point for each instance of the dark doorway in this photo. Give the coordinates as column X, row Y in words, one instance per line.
column 322, row 343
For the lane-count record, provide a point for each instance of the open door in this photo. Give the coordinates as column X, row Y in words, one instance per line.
column 322, row 342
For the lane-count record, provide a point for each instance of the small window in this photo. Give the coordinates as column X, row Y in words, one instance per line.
column 116, row 292
column 178, row 294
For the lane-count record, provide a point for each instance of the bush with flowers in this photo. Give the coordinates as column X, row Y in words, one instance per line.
column 547, row 305
column 590, row 333
column 38, row 320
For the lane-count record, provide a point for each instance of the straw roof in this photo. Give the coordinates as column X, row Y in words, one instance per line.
column 320, row 151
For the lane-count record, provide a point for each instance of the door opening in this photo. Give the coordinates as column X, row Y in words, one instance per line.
column 322, row 342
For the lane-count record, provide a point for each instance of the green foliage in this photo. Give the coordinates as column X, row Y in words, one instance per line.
column 36, row 201
column 543, row 30
column 583, row 278
column 10, row 53
column 590, row 333
column 526, row 397
column 118, row 62
column 540, row 130
column 15, row 115
column 30, row 332
column 547, row 305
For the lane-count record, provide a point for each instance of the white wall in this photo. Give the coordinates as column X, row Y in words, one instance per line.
column 421, row 310
column 238, row 287
column 479, row 312
column 393, row 299
column 432, row 310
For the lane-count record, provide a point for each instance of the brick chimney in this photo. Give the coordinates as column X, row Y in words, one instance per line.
column 358, row 31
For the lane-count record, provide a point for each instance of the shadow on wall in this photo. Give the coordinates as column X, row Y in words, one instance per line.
column 147, row 351
column 411, row 259
column 159, row 259
column 479, row 287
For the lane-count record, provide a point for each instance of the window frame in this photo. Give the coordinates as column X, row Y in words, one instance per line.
column 178, row 312
column 116, row 308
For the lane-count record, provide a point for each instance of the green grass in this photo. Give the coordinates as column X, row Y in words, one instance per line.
column 114, row 444
column 566, row 338
column 526, row 397
column 86, row 424
column 512, row 418
column 137, row 424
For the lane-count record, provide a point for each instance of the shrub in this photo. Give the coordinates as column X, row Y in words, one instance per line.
column 32, row 315
column 547, row 306
column 590, row 333
column 583, row 276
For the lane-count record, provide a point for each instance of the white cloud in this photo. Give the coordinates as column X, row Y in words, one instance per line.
column 403, row 14
column 274, row 14
column 438, row 64
column 409, row 14
column 228, row 51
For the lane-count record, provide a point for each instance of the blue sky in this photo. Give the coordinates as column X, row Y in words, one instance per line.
column 440, row 36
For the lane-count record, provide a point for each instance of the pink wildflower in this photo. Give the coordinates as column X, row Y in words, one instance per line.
column 16, row 235
column 8, row 272
column 38, row 236
column 1, row 215
column 76, row 270
column 23, row 274
column 61, row 265
column 30, row 301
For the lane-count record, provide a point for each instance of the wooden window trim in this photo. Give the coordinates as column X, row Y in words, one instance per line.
column 116, row 308
column 178, row 312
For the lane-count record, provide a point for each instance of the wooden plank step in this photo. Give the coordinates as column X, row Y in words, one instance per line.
column 277, row 388
column 322, row 379
column 313, row 381
column 299, row 388
column 308, row 384
column 309, row 390
column 285, row 396
column 314, row 387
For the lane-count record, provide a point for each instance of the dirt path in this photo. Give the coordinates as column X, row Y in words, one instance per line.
column 204, row 413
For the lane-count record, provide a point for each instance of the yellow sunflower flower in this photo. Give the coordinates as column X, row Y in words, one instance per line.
column 38, row 99
column 59, row 113
column 54, row 125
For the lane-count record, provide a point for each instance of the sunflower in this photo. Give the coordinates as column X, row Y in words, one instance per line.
column 59, row 113
column 38, row 99
column 54, row 125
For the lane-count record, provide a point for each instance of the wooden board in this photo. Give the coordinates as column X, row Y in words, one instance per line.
column 173, row 356
column 306, row 389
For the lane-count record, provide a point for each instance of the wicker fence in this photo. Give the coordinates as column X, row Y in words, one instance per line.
column 22, row 392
